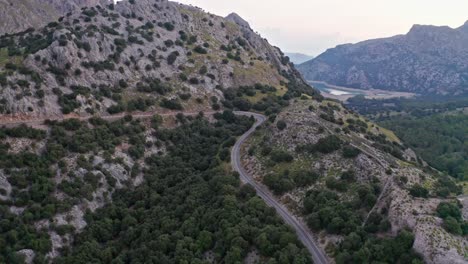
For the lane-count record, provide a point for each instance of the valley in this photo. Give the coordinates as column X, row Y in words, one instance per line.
column 150, row 131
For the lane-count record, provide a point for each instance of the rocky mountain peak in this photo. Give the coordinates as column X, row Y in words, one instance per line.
column 464, row 27
column 93, row 58
column 234, row 17
column 427, row 60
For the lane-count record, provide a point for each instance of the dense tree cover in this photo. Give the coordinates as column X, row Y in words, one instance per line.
column 22, row 132
column 286, row 181
column 453, row 220
column 187, row 206
column 439, row 139
column 419, row 106
column 31, row 176
column 432, row 126
column 359, row 247
column 325, row 211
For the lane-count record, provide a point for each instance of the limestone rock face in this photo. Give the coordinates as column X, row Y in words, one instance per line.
column 155, row 49
column 19, row 15
column 427, row 60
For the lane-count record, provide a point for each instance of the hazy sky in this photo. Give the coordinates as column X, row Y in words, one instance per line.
column 312, row 26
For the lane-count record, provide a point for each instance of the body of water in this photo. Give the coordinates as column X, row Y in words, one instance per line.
column 332, row 90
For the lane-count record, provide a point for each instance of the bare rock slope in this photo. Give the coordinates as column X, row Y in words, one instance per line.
column 150, row 53
column 346, row 176
column 19, row 15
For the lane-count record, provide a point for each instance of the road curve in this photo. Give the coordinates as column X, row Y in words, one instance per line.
column 304, row 235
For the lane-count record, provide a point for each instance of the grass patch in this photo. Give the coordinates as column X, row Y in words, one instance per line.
column 4, row 58
column 261, row 72
column 280, row 91
column 389, row 134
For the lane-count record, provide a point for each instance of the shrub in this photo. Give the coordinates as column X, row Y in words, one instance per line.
column 172, row 104
column 350, row 152
column 281, row 156
column 328, row 144
column 194, row 80
column 200, row 49
column 303, row 177
column 419, row 191
column 281, row 124
column 279, row 184
column 242, row 104
column 168, row 26
column 445, row 210
column 172, row 57
column 452, row 226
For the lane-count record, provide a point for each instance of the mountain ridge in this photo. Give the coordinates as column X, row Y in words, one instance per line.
column 427, row 60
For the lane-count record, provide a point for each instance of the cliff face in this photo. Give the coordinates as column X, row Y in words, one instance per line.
column 19, row 15
column 427, row 60
column 99, row 57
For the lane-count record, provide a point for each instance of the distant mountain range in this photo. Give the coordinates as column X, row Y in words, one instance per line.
column 298, row 58
column 427, row 60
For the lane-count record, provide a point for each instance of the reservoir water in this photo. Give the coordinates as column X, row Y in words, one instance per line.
column 332, row 90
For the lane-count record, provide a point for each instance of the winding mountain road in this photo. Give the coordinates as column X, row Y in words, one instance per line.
column 304, row 235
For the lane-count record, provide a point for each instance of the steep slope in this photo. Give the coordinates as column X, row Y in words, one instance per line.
column 427, row 60
column 127, row 169
column 356, row 185
column 19, row 15
column 133, row 57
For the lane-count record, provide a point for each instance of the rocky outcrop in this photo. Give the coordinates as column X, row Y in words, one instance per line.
column 427, row 60
column 19, row 15
column 375, row 166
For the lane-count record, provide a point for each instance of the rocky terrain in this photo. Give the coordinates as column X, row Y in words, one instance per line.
column 129, row 61
column 127, row 56
column 427, row 60
column 361, row 162
column 103, row 60
column 19, row 15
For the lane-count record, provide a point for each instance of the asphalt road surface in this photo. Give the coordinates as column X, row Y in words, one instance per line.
column 302, row 231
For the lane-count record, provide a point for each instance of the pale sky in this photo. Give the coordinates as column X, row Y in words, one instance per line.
column 312, row 26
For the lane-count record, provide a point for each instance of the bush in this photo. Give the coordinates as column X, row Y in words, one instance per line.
column 168, row 26
column 452, row 226
column 172, row 104
column 281, row 124
column 242, row 104
column 350, row 152
column 419, row 191
column 172, row 57
column 200, row 49
column 281, row 156
column 279, row 184
column 303, row 177
column 328, row 144
column 445, row 210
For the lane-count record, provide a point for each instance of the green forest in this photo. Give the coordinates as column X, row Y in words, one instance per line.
column 441, row 140
column 188, row 208
column 435, row 127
